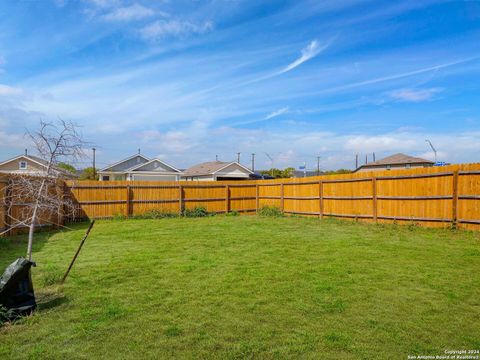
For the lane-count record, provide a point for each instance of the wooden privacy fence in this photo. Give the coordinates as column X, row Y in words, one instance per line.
column 16, row 207
column 437, row 196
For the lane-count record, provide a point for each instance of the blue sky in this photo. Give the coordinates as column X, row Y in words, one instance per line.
column 187, row 80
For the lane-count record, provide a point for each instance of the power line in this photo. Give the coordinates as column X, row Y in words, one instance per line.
column 94, row 170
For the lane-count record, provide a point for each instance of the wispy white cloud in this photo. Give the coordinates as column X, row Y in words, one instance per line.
column 9, row 90
column 402, row 75
column 166, row 28
column 276, row 113
column 414, row 95
column 309, row 52
column 132, row 12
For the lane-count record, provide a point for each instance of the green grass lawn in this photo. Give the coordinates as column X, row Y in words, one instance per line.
column 249, row 287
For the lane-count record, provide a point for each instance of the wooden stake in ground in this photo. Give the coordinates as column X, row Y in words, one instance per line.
column 78, row 252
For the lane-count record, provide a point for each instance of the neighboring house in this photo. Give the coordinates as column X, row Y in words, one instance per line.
column 31, row 165
column 395, row 162
column 217, row 170
column 139, row 167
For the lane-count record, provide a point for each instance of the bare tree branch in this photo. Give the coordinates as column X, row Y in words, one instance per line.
column 40, row 196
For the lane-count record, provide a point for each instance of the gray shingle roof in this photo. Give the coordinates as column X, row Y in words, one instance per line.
column 397, row 159
column 206, row 168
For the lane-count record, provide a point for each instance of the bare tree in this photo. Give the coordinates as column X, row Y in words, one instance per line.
column 39, row 195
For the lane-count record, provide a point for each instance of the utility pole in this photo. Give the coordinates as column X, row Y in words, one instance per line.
column 434, row 150
column 318, row 165
column 94, row 170
column 253, row 162
column 238, row 157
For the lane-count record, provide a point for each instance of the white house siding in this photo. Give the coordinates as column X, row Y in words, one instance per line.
column 112, row 177
column 233, row 171
column 145, row 177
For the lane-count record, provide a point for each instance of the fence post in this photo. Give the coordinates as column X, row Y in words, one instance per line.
column 320, row 199
column 455, row 199
column 180, row 199
column 257, row 202
column 282, row 196
column 128, row 202
column 374, row 198
column 227, row 199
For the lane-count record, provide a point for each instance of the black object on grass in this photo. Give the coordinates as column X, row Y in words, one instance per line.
column 16, row 289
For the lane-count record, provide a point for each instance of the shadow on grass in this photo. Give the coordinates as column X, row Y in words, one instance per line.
column 50, row 297
column 50, row 301
column 12, row 247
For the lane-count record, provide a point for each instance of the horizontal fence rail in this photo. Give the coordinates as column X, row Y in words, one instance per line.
column 435, row 196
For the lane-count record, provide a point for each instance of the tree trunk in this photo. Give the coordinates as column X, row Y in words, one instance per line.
column 30, row 233
column 31, row 230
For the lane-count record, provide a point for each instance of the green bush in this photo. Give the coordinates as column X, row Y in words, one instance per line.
column 198, row 211
column 270, row 211
column 232, row 213
column 156, row 214
column 119, row 216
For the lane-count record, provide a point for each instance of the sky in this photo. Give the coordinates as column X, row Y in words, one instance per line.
column 186, row 80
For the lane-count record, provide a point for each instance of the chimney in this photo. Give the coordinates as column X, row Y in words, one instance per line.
column 366, row 159
column 26, row 152
column 356, row 161
column 373, row 157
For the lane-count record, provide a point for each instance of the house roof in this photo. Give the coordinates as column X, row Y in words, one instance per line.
column 209, row 168
column 39, row 161
column 107, row 168
column 136, row 167
column 398, row 159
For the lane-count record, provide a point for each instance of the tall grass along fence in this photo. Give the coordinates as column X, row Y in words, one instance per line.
column 437, row 196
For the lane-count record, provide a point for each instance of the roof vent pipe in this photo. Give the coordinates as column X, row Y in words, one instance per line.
column 26, row 152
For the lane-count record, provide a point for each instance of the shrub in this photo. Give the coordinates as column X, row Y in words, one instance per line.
column 198, row 211
column 119, row 216
column 232, row 213
column 270, row 211
column 156, row 214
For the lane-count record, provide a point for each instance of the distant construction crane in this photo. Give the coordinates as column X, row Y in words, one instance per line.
column 271, row 163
